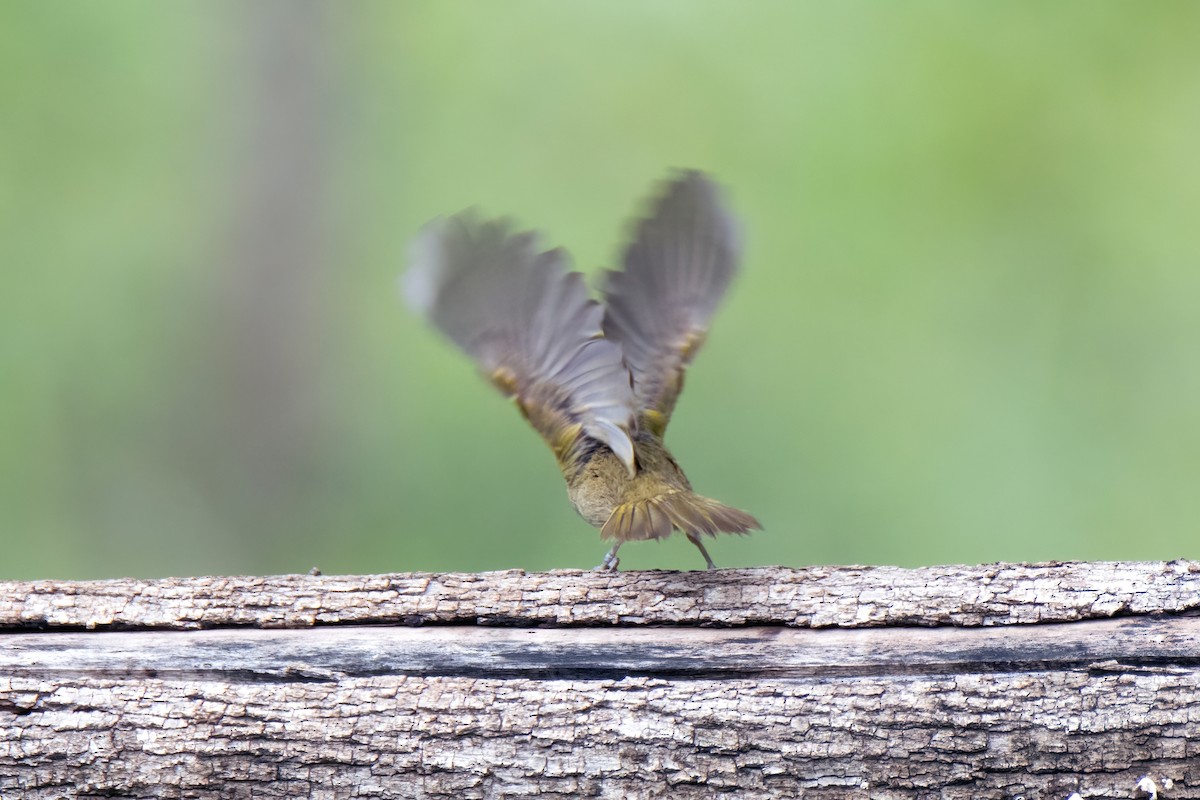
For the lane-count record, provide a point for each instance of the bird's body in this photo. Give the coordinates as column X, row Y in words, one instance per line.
column 597, row 481
column 598, row 383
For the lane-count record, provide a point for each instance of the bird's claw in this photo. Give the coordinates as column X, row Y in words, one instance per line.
column 609, row 564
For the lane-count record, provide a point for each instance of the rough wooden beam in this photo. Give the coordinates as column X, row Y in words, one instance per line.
column 995, row 594
column 1000, row 681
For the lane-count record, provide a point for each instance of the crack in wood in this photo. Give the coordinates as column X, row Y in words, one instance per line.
column 334, row 652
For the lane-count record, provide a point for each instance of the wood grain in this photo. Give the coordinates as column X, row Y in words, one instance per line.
column 334, row 653
column 1000, row 681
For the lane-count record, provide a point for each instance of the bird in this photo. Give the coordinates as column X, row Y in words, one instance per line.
column 598, row 379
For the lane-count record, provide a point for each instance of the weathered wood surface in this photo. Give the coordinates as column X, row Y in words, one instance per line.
column 999, row 681
column 755, row 652
column 995, row 594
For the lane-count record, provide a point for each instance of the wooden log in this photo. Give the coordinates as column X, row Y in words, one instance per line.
column 999, row 681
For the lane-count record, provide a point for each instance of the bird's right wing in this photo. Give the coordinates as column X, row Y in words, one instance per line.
column 530, row 326
column 659, row 307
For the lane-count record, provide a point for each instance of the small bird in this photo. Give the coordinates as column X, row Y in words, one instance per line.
column 597, row 381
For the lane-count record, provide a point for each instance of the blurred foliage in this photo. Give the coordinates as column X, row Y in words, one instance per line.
column 966, row 330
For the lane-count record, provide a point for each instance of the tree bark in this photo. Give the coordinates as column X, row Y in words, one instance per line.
column 998, row 681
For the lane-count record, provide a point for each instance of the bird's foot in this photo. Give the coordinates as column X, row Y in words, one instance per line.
column 610, row 562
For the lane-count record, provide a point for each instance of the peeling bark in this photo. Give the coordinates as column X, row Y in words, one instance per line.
column 1018, row 680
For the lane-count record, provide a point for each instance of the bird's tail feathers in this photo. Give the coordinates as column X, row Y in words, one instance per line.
column 656, row 517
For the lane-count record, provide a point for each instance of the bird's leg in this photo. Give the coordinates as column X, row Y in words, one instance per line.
column 694, row 539
column 610, row 562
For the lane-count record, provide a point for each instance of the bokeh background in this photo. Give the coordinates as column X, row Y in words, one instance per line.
column 968, row 326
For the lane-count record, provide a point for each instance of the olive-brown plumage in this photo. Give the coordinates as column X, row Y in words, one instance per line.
column 598, row 382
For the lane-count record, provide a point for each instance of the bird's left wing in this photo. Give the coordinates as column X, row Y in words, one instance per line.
column 530, row 326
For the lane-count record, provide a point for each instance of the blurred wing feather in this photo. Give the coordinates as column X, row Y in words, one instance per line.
column 676, row 270
column 530, row 326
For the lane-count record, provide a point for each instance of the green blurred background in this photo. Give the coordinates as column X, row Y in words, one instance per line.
column 966, row 329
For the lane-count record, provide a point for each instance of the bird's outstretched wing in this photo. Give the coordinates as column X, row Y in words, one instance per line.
column 530, row 326
column 676, row 270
